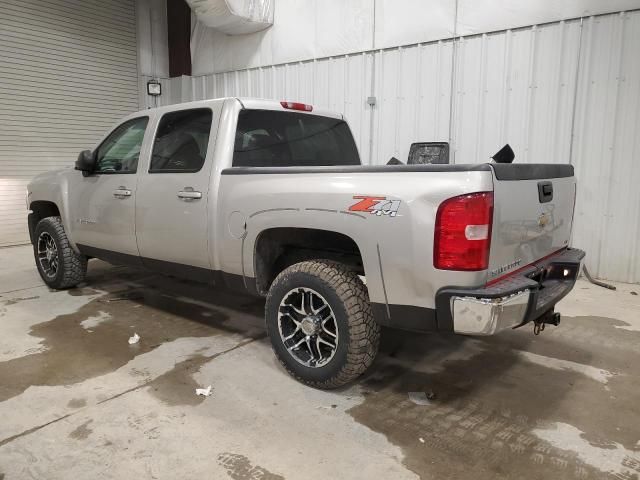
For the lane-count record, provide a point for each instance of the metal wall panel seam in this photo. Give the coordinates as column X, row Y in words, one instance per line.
column 558, row 81
column 616, row 58
column 454, row 62
column 456, row 109
column 482, row 85
column 575, row 86
column 372, row 108
column 398, row 104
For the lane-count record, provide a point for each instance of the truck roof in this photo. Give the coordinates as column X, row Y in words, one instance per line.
column 248, row 103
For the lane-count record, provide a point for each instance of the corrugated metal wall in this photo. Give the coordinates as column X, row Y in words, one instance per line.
column 537, row 88
column 606, row 147
column 68, row 71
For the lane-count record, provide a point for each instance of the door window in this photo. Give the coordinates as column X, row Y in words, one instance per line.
column 120, row 151
column 181, row 141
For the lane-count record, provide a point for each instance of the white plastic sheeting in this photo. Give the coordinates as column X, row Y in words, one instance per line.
column 536, row 88
column 308, row 29
column 302, row 30
column 234, row 17
column 151, row 35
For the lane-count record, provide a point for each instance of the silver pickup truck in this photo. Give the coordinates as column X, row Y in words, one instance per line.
column 270, row 198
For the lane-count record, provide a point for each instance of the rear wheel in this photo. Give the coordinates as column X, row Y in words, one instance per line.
column 58, row 264
column 320, row 323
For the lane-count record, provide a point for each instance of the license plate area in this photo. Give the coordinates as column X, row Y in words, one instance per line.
column 561, row 271
column 567, row 271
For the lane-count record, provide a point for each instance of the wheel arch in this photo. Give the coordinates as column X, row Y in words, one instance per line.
column 48, row 195
column 40, row 209
column 277, row 248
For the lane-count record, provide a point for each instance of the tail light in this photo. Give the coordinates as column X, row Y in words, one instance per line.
column 303, row 107
column 463, row 232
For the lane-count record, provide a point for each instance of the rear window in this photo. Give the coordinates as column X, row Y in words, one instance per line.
column 267, row 138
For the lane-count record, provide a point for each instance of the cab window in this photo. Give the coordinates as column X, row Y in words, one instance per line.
column 268, row 138
column 181, row 141
column 120, row 151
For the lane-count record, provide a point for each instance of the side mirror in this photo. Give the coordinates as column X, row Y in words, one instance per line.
column 86, row 161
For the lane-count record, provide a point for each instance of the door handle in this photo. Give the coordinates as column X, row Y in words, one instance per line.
column 121, row 192
column 545, row 192
column 189, row 194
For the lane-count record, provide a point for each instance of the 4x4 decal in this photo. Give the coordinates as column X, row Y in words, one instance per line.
column 375, row 205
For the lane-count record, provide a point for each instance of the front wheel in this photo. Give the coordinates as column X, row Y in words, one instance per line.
column 320, row 323
column 58, row 264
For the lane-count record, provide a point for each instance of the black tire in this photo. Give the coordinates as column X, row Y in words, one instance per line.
column 358, row 332
column 71, row 267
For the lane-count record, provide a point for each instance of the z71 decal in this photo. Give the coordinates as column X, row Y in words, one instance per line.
column 375, row 205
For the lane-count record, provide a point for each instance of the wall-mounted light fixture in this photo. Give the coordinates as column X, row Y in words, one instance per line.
column 154, row 88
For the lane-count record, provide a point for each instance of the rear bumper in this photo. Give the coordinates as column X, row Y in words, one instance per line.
column 513, row 301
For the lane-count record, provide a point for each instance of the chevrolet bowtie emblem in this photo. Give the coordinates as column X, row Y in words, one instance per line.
column 543, row 219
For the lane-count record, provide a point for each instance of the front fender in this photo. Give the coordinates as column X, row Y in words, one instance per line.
column 53, row 187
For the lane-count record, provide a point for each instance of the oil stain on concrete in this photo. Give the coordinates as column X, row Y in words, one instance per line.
column 240, row 467
column 488, row 407
column 77, row 403
column 177, row 386
column 73, row 353
column 82, row 432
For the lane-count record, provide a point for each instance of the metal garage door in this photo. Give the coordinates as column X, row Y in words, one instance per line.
column 68, row 71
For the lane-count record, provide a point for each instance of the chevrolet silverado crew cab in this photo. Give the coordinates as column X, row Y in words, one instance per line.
column 270, row 198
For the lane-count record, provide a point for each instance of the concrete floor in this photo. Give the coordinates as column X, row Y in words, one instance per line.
column 77, row 401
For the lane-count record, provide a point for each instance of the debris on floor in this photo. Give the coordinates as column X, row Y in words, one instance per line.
column 95, row 320
column 125, row 296
column 134, row 339
column 421, row 398
column 421, row 440
column 205, row 392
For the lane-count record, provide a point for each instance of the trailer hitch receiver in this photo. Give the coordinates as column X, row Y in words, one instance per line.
column 551, row 318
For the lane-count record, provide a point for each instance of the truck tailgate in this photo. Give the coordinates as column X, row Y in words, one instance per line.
column 533, row 212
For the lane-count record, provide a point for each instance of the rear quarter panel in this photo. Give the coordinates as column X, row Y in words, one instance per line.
column 322, row 201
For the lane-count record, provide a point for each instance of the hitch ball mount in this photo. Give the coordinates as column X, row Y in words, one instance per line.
column 551, row 318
